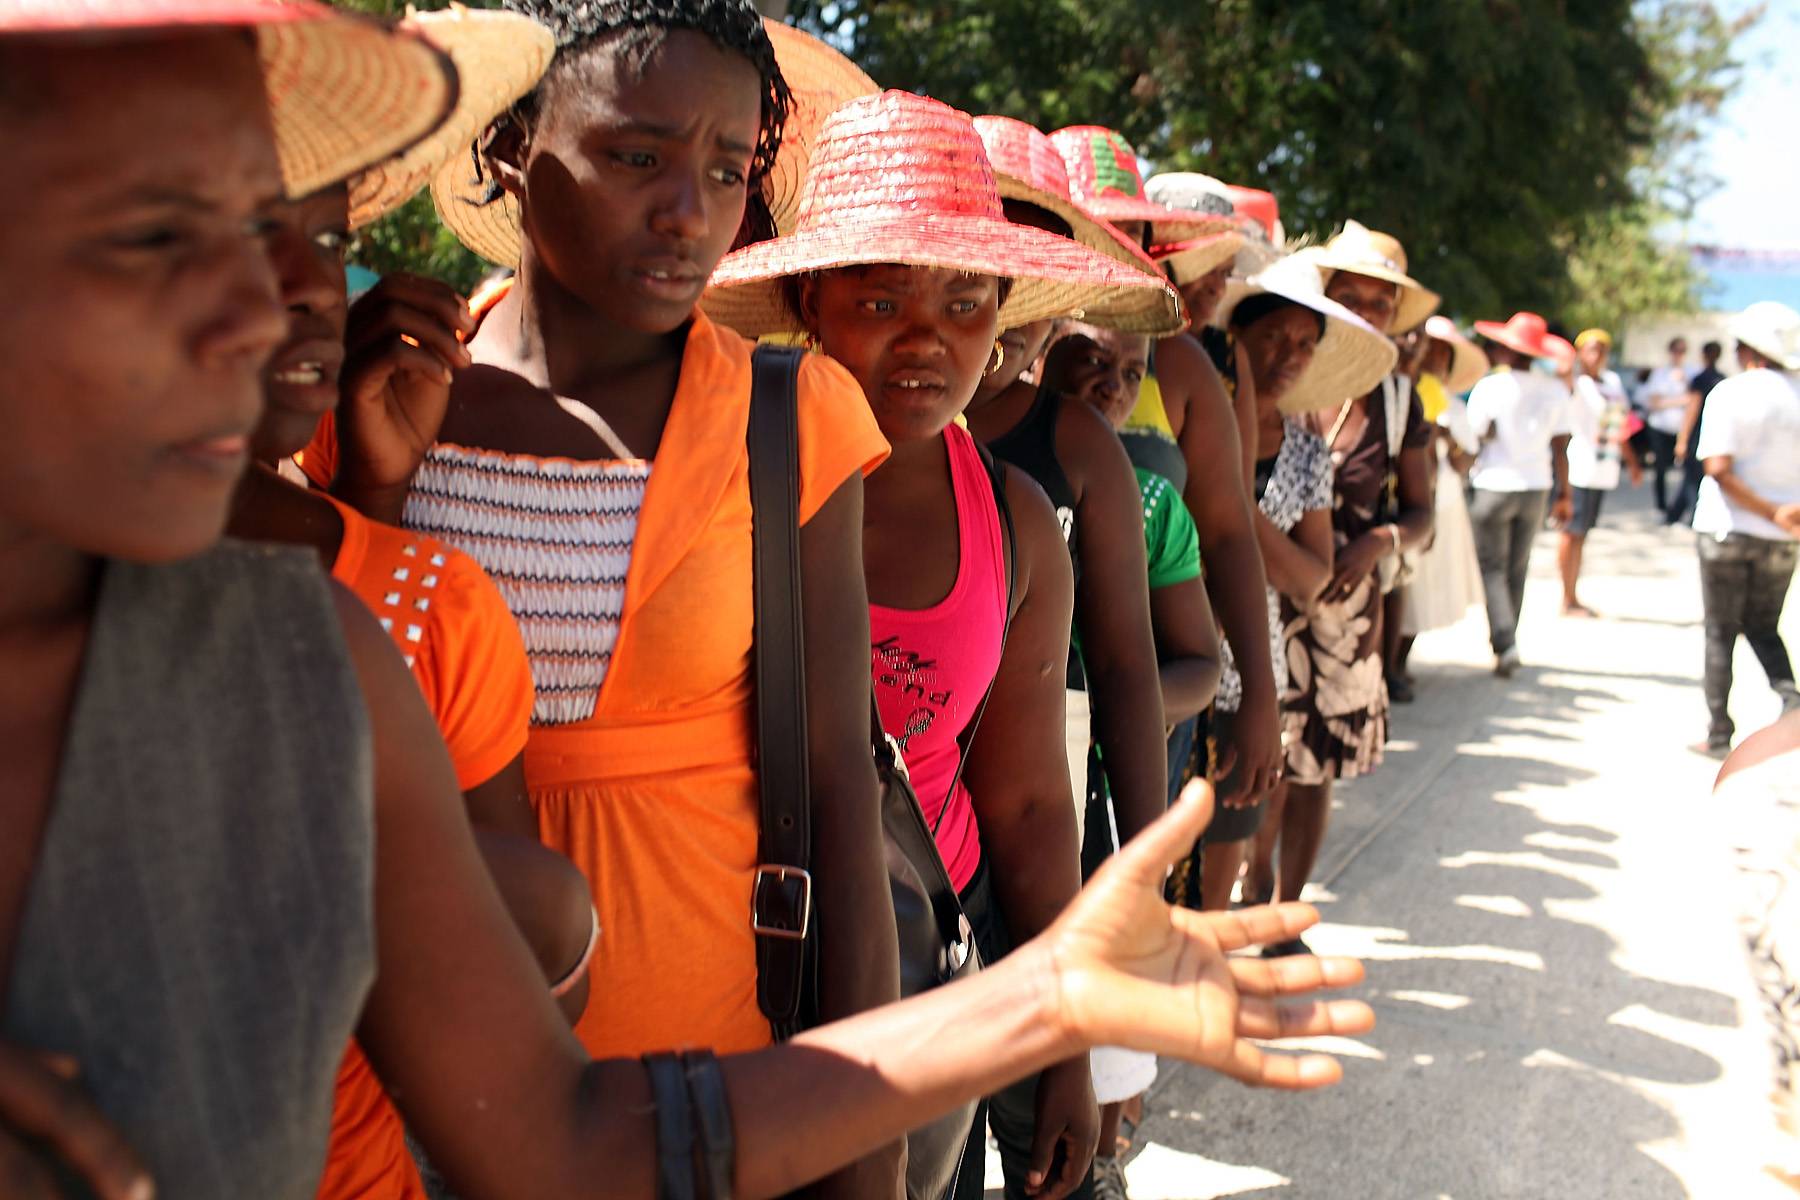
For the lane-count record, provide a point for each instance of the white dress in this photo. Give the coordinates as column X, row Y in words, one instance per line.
column 1448, row 582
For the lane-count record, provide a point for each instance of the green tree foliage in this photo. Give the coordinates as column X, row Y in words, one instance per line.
column 1513, row 145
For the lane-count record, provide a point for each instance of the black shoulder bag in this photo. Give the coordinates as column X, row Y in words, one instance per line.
column 937, row 944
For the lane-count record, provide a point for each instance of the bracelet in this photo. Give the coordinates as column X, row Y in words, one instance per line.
column 566, row 984
column 712, row 1116
column 1393, row 530
column 674, row 1128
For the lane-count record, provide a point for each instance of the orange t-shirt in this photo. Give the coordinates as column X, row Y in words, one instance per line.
column 647, row 782
column 463, row 646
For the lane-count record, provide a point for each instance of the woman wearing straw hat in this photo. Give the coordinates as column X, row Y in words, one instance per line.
column 1447, row 580
column 1304, row 352
column 1747, row 518
column 1106, row 180
column 1598, row 449
column 1523, row 419
column 906, row 279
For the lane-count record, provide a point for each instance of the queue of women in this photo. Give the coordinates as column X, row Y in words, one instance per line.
column 382, row 774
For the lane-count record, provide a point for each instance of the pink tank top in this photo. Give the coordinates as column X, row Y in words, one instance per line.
column 933, row 665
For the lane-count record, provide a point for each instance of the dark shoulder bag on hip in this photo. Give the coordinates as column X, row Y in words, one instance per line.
column 936, row 943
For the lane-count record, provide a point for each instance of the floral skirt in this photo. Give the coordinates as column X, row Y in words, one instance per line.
column 1334, row 710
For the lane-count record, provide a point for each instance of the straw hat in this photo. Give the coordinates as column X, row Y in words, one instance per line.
column 1364, row 251
column 818, row 78
column 1468, row 362
column 1194, row 192
column 1527, row 333
column 1772, row 330
column 1351, row 358
column 1028, row 168
column 343, row 91
column 499, row 56
column 899, row 178
column 821, row 81
column 1105, row 180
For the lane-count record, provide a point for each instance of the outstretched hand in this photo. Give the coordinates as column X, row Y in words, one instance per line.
column 1134, row 972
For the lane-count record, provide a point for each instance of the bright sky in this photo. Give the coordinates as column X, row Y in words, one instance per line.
column 1755, row 147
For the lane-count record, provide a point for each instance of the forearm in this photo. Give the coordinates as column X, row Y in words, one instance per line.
column 1743, row 495
column 384, row 504
column 1293, row 570
column 1128, row 723
column 1234, row 579
column 1188, row 686
column 1559, row 465
column 857, row 941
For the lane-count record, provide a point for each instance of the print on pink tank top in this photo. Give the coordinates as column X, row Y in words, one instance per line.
column 933, row 665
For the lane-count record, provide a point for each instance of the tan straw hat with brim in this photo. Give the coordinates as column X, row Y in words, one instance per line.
column 1363, row 251
column 1350, row 359
column 1105, row 180
column 1188, row 261
column 1027, row 168
column 904, row 179
column 343, row 91
column 499, row 56
column 820, row 81
column 1468, row 362
column 1772, row 329
column 1191, row 191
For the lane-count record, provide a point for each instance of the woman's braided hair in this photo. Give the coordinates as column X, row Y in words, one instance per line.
column 637, row 29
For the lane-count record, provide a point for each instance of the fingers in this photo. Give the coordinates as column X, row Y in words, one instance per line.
column 1293, row 975
column 365, row 378
column 1266, row 1020
column 1044, row 1140
column 1151, row 854
column 422, row 326
column 1250, row 926
column 39, row 1100
column 443, row 302
column 1290, row 1072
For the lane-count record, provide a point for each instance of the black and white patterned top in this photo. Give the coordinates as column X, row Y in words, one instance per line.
column 1299, row 483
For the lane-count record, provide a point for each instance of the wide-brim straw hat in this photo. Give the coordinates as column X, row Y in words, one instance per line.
column 900, row 178
column 1028, row 168
column 1771, row 329
column 1468, row 362
column 1363, row 251
column 343, row 91
column 1189, row 260
column 1351, row 358
column 1106, row 181
column 1528, row 334
column 820, row 81
column 1190, row 191
column 499, row 57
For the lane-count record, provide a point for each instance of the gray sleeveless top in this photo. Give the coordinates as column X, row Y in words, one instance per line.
column 198, row 931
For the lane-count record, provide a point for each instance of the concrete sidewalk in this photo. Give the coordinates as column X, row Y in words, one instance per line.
column 1565, row 1010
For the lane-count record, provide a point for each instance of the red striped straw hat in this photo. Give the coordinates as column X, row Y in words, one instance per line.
column 1528, row 334
column 344, row 91
column 1028, row 168
column 1104, row 178
column 900, row 178
column 499, row 56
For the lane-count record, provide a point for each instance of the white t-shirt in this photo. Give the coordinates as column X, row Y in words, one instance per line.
column 1597, row 420
column 1666, row 381
column 1755, row 418
column 1527, row 411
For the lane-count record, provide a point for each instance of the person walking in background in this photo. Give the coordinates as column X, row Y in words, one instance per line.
column 1522, row 420
column 1681, row 509
column 1748, row 513
column 1664, row 399
column 1597, row 449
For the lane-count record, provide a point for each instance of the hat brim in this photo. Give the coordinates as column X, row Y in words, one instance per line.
column 1051, row 276
column 1416, row 302
column 1468, row 365
column 499, row 57
column 1189, row 260
column 1350, row 359
column 1496, row 331
column 345, row 93
column 1166, row 224
column 1144, row 310
column 820, row 80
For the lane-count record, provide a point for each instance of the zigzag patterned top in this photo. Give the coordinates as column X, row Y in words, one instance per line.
column 555, row 535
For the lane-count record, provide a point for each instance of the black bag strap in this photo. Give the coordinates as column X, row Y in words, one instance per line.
column 781, row 901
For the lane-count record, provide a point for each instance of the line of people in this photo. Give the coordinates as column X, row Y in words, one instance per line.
column 1117, row 493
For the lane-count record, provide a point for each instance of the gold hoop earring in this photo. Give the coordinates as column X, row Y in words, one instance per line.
column 996, row 362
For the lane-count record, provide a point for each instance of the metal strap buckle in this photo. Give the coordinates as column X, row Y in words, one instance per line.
column 790, row 890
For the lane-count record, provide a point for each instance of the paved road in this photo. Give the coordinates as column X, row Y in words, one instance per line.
column 1564, row 1007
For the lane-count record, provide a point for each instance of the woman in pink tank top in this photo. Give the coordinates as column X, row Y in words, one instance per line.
column 933, row 665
